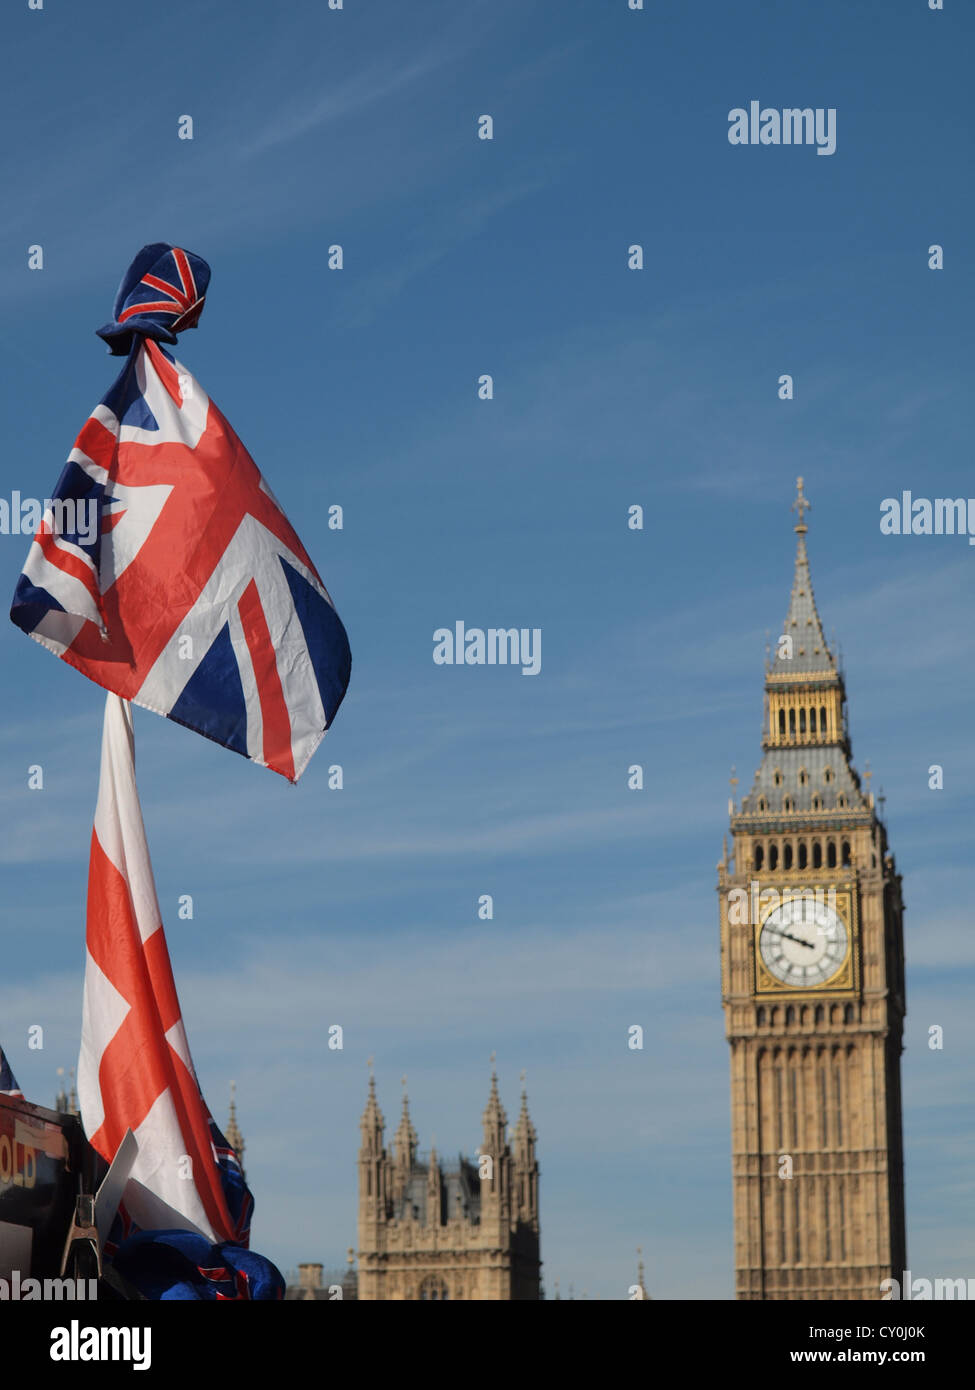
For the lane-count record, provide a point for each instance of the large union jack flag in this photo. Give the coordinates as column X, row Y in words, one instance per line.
column 166, row 572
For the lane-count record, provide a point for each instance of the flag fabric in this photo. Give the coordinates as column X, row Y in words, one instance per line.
column 237, row 1194
column 164, row 569
column 179, row 1265
column 8, row 1082
column 135, row 1070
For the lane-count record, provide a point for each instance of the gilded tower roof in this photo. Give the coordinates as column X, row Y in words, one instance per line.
column 805, row 765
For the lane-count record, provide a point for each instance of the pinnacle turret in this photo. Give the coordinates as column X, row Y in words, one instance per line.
column 494, row 1119
column 524, row 1135
column 372, row 1123
column 405, row 1138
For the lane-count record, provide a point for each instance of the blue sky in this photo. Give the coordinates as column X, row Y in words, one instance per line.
column 612, row 387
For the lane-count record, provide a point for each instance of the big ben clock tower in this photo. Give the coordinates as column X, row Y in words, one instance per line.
column 812, row 971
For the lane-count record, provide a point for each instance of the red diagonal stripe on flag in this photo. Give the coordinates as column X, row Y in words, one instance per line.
column 133, row 1069
column 154, row 282
column 185, row 272
column 79, row 569
column 274, row 708
column 138, row 1064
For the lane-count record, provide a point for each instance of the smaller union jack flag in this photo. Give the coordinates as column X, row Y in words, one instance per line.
column 162, row 292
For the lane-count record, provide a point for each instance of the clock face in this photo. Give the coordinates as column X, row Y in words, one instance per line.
column 803, row 942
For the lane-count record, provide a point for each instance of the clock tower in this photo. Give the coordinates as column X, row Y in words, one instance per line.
column 812, row 980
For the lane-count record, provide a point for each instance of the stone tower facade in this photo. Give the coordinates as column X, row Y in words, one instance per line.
column 432, row 1231
column 812, row 968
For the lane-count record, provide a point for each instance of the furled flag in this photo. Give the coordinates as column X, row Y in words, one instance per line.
column 177, row 1265
column 164, row 569
column 135, row 1070
column 8, row 1082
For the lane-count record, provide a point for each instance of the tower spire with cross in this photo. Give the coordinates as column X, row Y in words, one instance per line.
column 801, row 505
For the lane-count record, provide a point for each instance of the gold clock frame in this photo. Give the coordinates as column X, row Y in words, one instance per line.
column 845, row 981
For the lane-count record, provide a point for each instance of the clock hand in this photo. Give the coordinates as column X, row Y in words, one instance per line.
column 811, row 945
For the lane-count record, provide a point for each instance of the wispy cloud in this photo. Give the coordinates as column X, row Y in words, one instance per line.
column 370, row 86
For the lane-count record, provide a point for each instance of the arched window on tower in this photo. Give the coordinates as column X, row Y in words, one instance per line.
column 434, row 1289
column 787, row 852
column 802, row 854
column 782, row 722
column 802, row 720
column 830, row 854
column 792, row 723
column 790, row 1014
column 773, row 856
column 777, row 776
column 822, row 718
column 817, row 854
column 846, row 854
column 759, row 858
column 812, row 719
column 803, row 777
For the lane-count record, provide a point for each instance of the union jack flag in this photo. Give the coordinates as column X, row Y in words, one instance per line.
column 167, row 572
column 135, row 1070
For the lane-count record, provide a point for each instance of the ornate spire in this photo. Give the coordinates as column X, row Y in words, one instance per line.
column 805, row 650
column 524, row 1134
column 806, row 767
column 234, row 1137
column 524, row 1165
column 494, row 1119
column 372, row 1123
column 404, row 1139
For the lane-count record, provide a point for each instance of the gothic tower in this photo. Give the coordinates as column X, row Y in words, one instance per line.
column 812, row 971
column 432, row 1231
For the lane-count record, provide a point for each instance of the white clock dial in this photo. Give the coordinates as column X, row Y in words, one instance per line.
column 803, row 942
